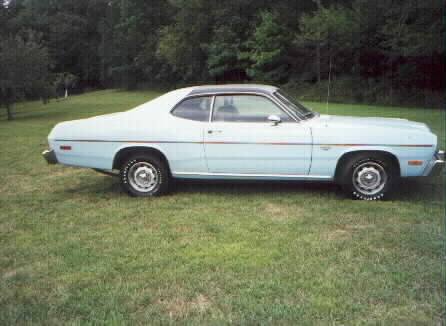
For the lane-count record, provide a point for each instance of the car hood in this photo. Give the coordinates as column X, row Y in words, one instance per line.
column 371, row 122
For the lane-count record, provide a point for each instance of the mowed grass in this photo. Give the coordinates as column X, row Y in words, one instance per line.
column 76, row 250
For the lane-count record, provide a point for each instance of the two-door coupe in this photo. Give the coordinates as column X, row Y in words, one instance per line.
column 245, row 132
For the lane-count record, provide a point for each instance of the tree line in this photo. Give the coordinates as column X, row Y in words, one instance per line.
column 386, row 51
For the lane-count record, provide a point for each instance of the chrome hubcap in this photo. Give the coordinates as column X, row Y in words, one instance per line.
column 143, row 177
column 369, row 178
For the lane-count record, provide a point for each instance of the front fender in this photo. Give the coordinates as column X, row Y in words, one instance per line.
column 327, row 157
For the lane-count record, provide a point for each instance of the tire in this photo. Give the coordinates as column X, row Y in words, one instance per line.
column 368, row 177
column 144, row 175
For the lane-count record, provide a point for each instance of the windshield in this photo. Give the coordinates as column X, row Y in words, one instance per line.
column 300, row 110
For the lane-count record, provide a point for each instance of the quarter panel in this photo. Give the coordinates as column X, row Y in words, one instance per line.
column 95, row 155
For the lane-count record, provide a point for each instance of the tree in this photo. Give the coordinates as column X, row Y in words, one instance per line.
column 333, row 31
column 182, row 44
column 412, row 39
column 267, row 50
column 136, row 32
column 66, row 81
column 123, row 43
column 224, row 50
column 24, row 71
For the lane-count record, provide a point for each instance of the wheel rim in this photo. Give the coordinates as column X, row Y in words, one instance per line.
column 369, row 178
column 143, row 176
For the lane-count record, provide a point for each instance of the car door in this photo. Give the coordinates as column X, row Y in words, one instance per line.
column 240, row 139
column 183, row 140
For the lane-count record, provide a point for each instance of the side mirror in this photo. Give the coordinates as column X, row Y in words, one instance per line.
column 275, row 119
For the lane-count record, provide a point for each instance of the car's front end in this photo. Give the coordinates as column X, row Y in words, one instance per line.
column 436, row 165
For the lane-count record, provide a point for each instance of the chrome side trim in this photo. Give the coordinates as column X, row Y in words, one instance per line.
column 228, row 143
column 253, row 175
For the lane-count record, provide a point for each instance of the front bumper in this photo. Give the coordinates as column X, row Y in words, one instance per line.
column 50, row 157
column 436, row 166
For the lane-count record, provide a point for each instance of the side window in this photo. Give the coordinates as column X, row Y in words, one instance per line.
column 196, row 108
column 246, row 108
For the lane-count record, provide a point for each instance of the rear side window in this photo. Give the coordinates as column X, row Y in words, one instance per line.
column 196, row 108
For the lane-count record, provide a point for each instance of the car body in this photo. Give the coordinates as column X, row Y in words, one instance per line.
column 247, row 132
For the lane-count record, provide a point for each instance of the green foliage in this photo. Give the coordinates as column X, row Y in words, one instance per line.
column 267, row 50
column 231, row 29
column 181, row 44
column 224, row 51
column 173, row 49
column 335, row 29
column 123, row 43
column 134, row 35
column 24, row 70
column 333, row 36
column 414, row 28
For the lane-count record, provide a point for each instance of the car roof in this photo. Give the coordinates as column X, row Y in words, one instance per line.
column 233, row 88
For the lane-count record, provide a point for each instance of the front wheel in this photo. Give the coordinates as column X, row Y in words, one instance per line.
column 144, row 176
column 368, row 177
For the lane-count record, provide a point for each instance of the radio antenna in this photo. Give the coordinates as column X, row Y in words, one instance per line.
column 329, row 84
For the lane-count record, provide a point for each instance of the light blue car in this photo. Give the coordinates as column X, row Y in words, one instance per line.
column 253, row 132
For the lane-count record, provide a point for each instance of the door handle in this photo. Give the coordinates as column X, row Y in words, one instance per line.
column 214, row 131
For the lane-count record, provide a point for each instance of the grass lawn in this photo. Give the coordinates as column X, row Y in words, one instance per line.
column 76, row 250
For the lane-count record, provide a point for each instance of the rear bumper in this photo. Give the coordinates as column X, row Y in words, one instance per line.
column 50, row 157
column 436, row 166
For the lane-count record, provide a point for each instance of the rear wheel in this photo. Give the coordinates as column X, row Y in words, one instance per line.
column 368, row 177
column 144, row 175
